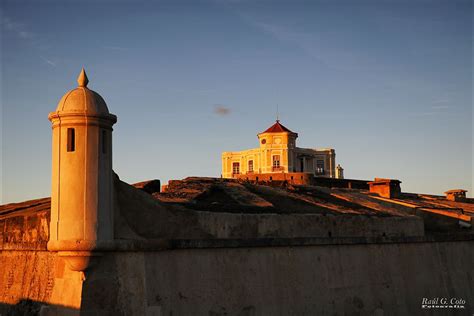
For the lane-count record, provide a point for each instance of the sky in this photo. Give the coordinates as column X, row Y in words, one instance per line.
column 388, row 84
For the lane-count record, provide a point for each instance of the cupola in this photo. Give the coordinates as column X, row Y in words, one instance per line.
column 82, row 99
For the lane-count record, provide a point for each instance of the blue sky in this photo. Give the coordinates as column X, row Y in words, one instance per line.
column 388, row 84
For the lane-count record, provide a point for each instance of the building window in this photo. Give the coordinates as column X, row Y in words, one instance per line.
column 71, row 139
column 276, row 161
column 320, row 167
column 250, row 169
column 235, row 168
column 104, row 142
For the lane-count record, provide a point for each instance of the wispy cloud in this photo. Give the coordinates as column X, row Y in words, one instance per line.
column 424, row 114
column 328, row 49
column 48, row 61
column 441, row 101
column 441, row 104
column 440, row 107
column 112, row 47
column 17, row 28
column 21, row 31
column 305, row 41
column 230, row 1
column 221, row 110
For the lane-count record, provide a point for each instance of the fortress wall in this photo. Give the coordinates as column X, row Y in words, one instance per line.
column 31, row 278
column 29, row 230
column 371, row 279
column 26, row 275
column 356, row 279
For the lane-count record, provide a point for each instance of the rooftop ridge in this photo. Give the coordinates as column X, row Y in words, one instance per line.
column 277, row 127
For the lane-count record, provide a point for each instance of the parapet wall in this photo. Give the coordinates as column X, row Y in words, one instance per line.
column 307, row 225
column 149, row 219
column 302, row 178
column 289, row 177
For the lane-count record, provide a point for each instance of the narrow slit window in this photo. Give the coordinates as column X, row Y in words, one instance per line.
column 104, row 142
column 71, row 139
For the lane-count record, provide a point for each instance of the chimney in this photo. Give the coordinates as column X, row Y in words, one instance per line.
column 339, row 172
column 457, row 195
column 387, row 188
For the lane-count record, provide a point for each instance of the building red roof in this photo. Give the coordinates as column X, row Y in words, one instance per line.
column 277, row 128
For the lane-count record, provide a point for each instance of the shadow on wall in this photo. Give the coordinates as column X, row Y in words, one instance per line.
column 26, row 307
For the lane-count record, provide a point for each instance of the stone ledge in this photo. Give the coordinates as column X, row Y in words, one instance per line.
column 163, row 244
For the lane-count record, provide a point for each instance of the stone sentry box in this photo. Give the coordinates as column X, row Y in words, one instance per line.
column 82, row 176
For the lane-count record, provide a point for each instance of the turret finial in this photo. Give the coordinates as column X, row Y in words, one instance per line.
column 82, row 80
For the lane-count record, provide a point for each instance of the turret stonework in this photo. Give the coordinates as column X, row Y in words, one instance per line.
column 82, row 176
